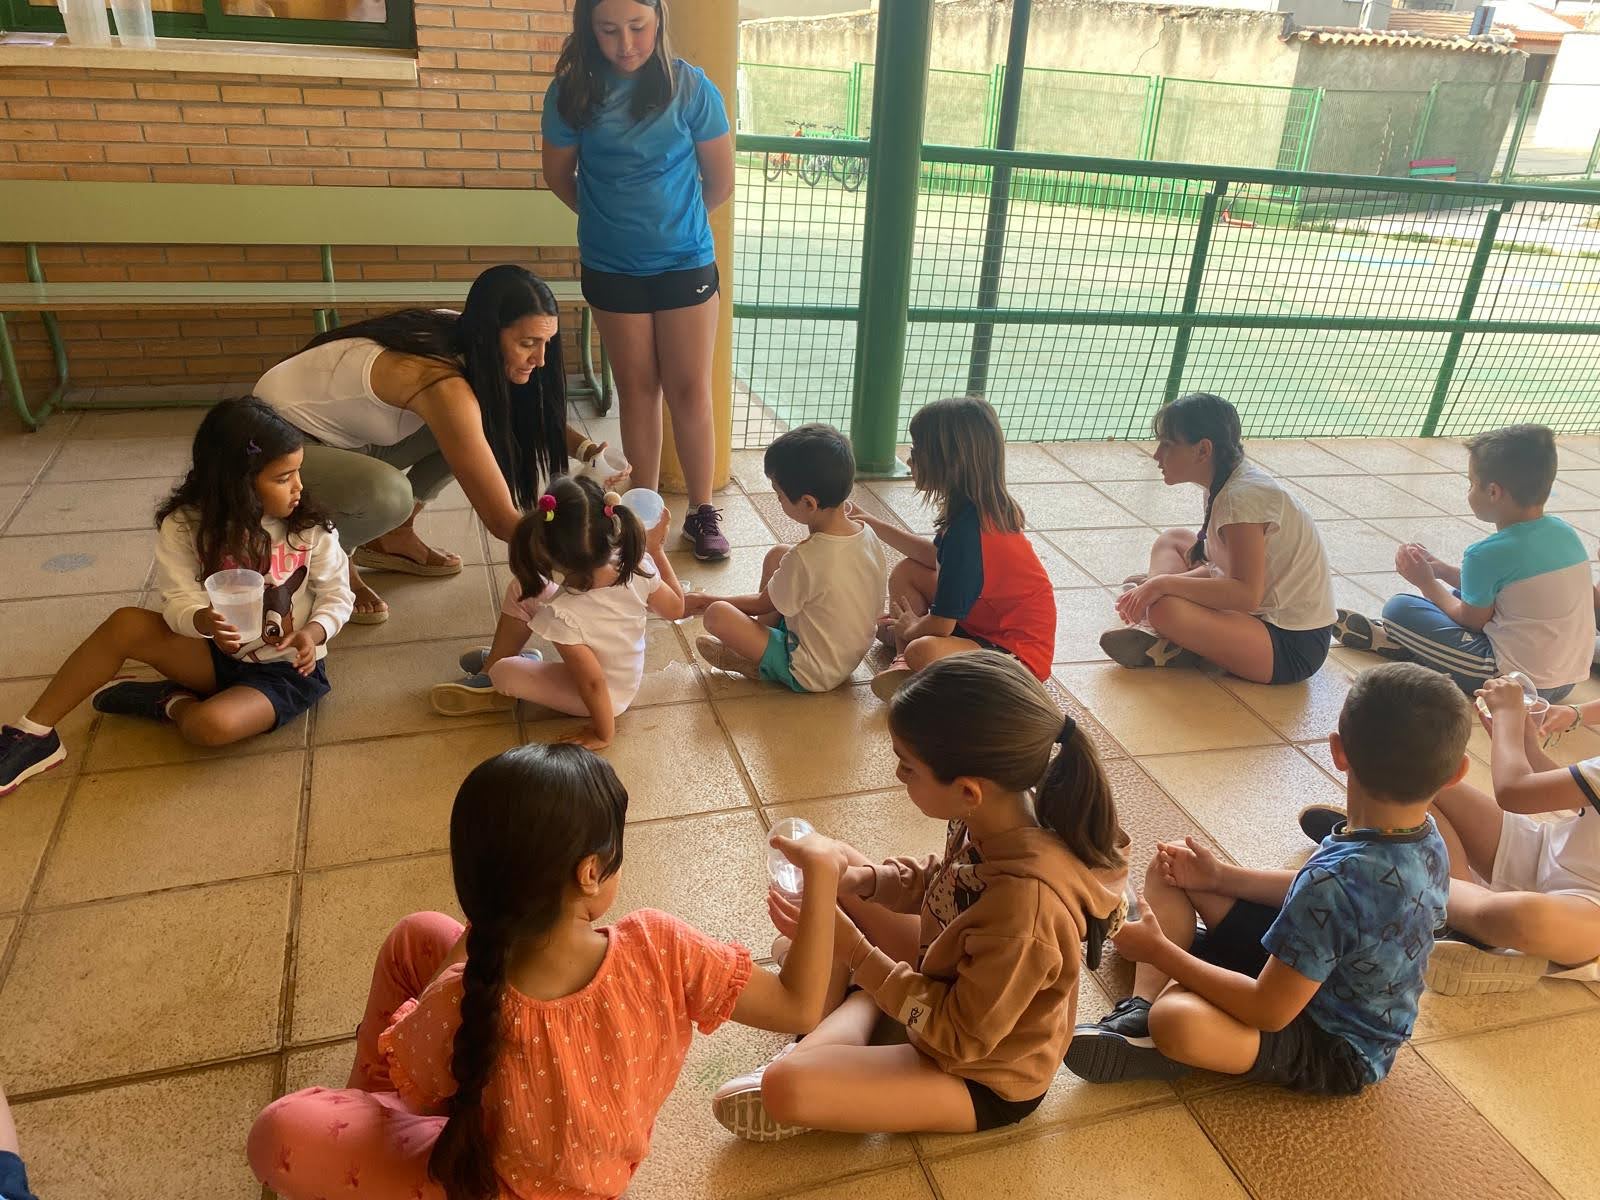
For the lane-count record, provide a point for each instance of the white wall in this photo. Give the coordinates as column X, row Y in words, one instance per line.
column 1570, row 115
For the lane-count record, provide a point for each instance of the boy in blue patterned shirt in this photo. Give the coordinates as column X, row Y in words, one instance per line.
column 1306, row 979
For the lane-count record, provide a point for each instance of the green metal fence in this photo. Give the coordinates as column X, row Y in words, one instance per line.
column 1389, row 307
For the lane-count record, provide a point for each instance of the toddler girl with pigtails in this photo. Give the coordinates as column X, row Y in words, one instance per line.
column 586, row 577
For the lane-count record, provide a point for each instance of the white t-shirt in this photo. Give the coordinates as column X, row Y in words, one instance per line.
column 1554, row 856
column 608, row 620
column 1299, row 591
column 830, row 590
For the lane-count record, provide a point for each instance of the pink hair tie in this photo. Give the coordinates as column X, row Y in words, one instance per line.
column 547, row 505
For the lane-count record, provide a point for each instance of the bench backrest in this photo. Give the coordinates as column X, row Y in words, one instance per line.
column 56, row 211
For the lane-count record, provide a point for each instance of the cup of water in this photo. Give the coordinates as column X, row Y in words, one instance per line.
column 238, row 596
column 603, row 466
column 646, row 505
column 785, row 875
column 136, row 27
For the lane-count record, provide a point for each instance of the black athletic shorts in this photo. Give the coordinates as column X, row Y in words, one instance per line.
column 650, row 293
column 1302, row 1056
column 1298, row 653
column 994, row 1111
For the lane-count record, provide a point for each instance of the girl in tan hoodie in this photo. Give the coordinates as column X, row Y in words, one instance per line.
column 976, row 954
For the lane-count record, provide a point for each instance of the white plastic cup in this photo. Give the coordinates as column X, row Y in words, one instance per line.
column 136, row 24
column 238, row 597
column 86, row 22
column 603, row 466
column 785, row 875
column 1530, row 693
column 646, row 505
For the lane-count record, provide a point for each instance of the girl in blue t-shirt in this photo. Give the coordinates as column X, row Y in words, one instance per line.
column 636, row 143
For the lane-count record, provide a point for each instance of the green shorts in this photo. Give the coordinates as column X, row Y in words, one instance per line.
column 781, row 644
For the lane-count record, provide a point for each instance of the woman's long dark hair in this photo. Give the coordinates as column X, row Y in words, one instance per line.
column 1202, row 416
column 521, row 824
column 578, row 539
column 525, row 423
column 581, row 71
column 236, row 441
column 982, row 715
column 958, row 457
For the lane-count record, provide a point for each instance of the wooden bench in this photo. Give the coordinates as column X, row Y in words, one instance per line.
column 48, row 212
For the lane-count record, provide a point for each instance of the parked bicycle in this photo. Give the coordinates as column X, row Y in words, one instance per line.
column 848, row 169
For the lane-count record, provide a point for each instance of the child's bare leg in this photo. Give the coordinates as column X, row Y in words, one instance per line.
column 745, row 635
column 1170, row 553
column 128, row 633
column 1562, row 928
column 229, row 716
column 912, row 585
column 511, row 634
column 1176, row 910
column 834, row 1080
column 1192, row 1030
column 928, row 650
column 1470, row 822
column 547, row 683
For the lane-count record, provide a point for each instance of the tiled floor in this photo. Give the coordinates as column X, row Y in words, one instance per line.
column 186, row 934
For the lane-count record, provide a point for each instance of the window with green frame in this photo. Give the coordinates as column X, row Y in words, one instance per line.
column 328, row 22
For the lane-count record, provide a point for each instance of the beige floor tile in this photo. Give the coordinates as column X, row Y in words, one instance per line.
column 27, row 820
column 902, row 1183
column 737, row 575
column 23, row 455
column 694, row 1158
column 1450, row 453
column 1082, row 615
column 72, row 507
column 416, row 778
column 741, row 523
column 319, row 1066
column 1447, row 537
column 1586, row 479
column 11, row 495
column 748, row 471
column 131, row 742
column 1063, row 572
column 1319, row 508
column 670, row 676
column 383, row 690
column 451, row 498
column 1248, row 799
column 1355, row 547
column 1584, row 522
column 167, row 827
column 1162, row 1152
column 1027, row 463
column 1069, row 704
column 1106, row 460
column 790, row 532
column 880, row 824
column 1367, row 496
column 8, row 926
column 1523, row 1081
column 41, row 633
column 463, row 607
column 1293, row 459
column 73, row 564
column 1447, row 493
column 1451, row 1016
column 1050, row 506
column 710, row 870
column 18, row 695
column 145, row 983
column 1284, row 1147
column 1380, row 585
column 180, row 1137
column 798, row 747
column 454, row 528
column 1380, row 456
column 902, row 498
column 1580, row 447
column 1163, row 712
column 1299, row 711
column 1567, row 494
column 1349, row 594
column 177, row 424
column 1148, row 815
column 120, row 458
column 1109, row 555
column 1154, row 503
column 345, row 914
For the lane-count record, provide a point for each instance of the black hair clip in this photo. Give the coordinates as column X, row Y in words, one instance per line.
column 1068, row 728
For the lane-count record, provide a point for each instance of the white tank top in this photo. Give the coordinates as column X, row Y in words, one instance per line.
column 327, row 392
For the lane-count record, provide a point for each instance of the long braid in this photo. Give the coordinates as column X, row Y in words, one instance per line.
column 462, row 1159
column 1228, row 458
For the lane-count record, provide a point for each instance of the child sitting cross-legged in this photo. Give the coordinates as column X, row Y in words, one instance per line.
column 813, row 620
column 1305, row 979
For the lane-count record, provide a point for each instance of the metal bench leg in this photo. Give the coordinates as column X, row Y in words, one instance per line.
column 13, row 378
column 591, row 386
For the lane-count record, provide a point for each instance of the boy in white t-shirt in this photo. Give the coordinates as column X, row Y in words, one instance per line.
column 1524, row 862
column 816, row 614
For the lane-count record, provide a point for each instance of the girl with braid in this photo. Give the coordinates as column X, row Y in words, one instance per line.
column 1251, row 592
column 526, row 1055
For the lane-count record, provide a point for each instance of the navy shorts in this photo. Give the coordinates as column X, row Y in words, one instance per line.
column 650, row 293
column 289, row 692
column 13, row 1178
column 1298, row 653
column 1302, row 1056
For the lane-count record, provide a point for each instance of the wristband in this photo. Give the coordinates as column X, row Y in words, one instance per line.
column 586, row 450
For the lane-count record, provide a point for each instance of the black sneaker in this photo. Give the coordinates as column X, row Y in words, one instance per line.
column 1317, row 821
column 24, row 755
column 1120, row 1047
column 1354, row 631
column 1134, row 647
column 131, row 699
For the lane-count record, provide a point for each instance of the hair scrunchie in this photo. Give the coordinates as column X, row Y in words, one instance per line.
column 547, row 505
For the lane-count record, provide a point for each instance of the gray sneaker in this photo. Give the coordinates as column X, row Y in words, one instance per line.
column 738, row 1108
column 1134, row 647
column 465, row 697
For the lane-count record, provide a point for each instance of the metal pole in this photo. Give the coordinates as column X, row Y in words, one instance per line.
column 899, row 98
column 1191, row 290
column 1524, row 107
column 1469, row 298
column 994, row 233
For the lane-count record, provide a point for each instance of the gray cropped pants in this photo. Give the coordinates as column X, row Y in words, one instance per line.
column 373, row 489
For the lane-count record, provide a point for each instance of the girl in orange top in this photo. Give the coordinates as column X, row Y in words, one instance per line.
column 533, row 1065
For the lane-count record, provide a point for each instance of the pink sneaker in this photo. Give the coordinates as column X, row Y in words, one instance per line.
column 887, row 681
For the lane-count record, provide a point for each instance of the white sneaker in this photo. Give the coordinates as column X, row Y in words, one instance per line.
column 738, row 1108
column 1457, row 968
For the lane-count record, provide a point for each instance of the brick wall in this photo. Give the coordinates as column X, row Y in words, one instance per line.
column 471, row 121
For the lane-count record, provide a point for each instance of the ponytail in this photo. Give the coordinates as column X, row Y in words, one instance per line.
column 1202, row 416
column 462, row 1160
column 1074, row 802
column 571, row 530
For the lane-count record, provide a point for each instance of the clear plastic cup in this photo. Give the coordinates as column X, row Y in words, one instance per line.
column 646, row 505
column 136, row 25
column 603, row 466
column 238, row 596
column 85, row 22
column 785, row 875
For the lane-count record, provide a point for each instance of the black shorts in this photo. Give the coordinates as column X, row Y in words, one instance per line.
column 961, row 631
column 1298, row 653
column 1302, row 1056
column 994, row 1111
column 650, row 293
column 289, row 692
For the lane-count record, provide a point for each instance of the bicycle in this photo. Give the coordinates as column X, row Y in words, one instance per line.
column 848, row 169
column 776, row 165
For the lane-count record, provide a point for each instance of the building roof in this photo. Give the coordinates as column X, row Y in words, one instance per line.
column 1530, row 25
column 1391, row 37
